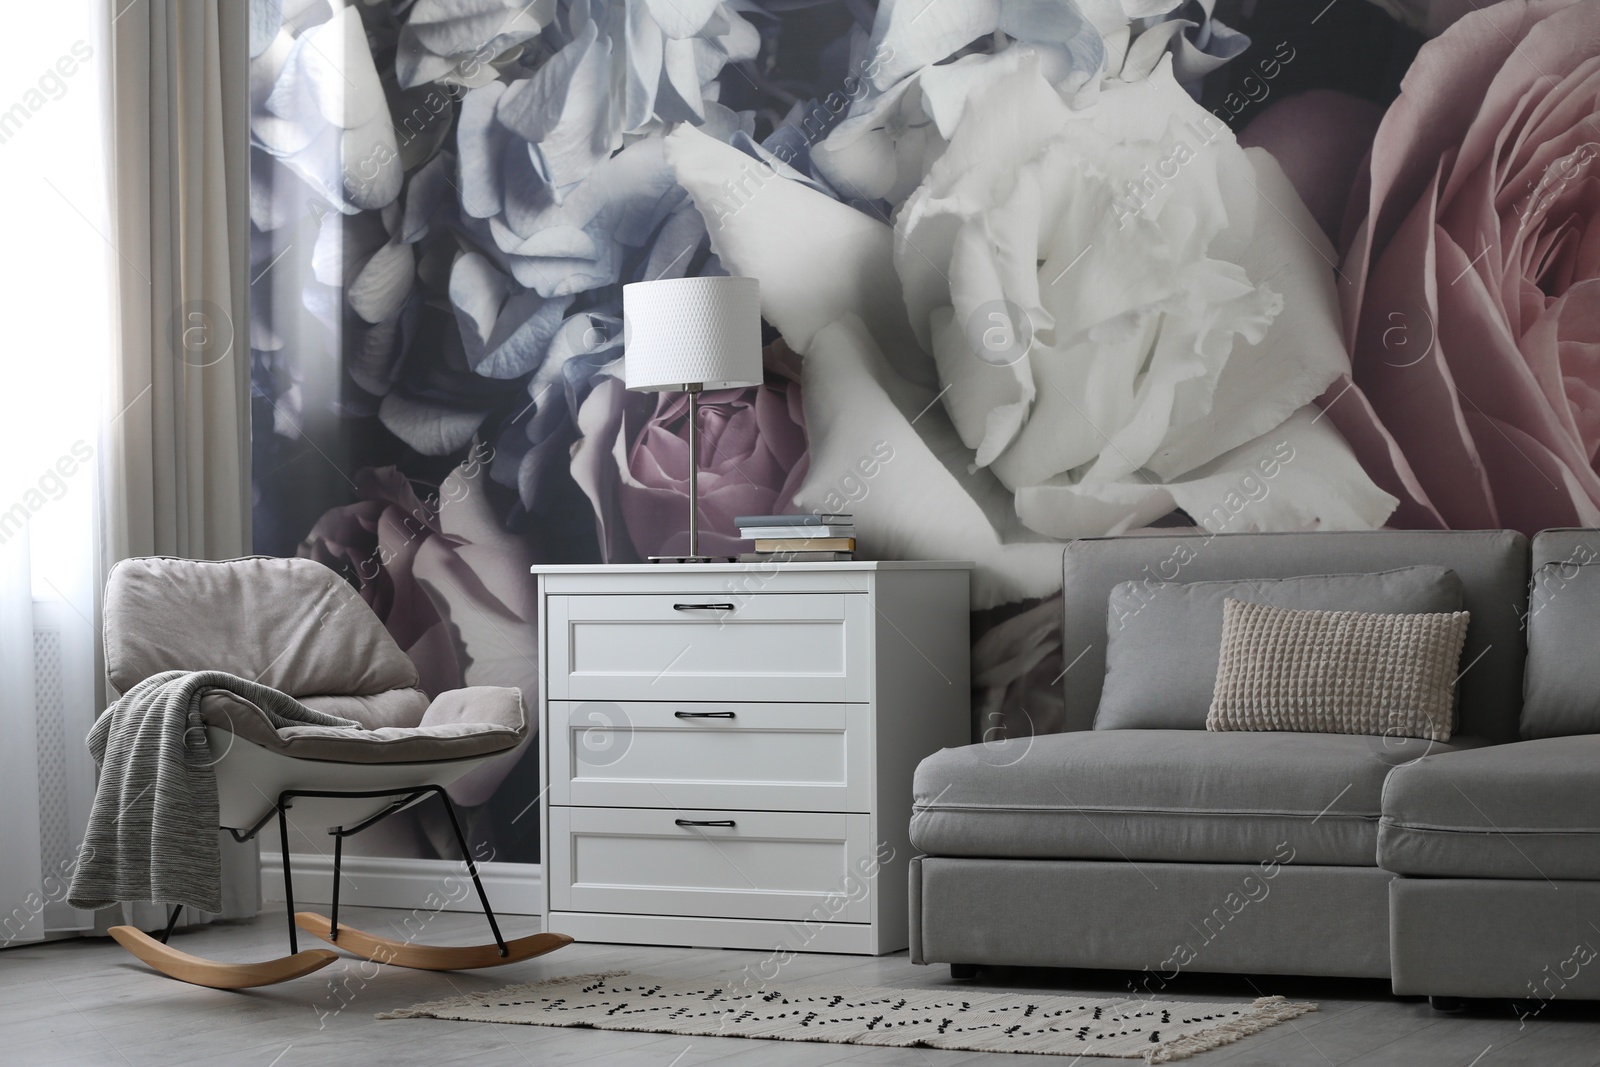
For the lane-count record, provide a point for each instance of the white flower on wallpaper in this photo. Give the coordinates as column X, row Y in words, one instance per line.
column 669, row 54
column 322, row 112
column 536, row 166
column 561, row 173
column 1197, row 43
column 915, row 36
column 916, row 81
column 466, row 42
column 920, row 69
column 1162, row 338
column 1176, row 310
column 506, row 331
column 885, row 146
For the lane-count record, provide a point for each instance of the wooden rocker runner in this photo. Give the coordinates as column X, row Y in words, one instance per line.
column 321, row 643
column 195, row 970
column 428, row 957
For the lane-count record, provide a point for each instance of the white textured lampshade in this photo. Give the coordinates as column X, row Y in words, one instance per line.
column 692, row 331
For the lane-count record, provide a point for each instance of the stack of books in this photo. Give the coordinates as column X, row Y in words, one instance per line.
column 797, row 538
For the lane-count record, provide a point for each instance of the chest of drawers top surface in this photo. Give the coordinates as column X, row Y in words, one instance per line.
column 742, row 568
column 742, row 579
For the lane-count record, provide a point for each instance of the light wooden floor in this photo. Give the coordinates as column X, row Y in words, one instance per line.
column 88, row 1002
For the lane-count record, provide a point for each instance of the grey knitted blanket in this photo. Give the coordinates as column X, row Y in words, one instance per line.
column 153, row 826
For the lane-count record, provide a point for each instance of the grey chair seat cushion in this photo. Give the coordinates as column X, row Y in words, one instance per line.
column 1524, row 810
column 462, row 723
column 1173, row 795
column 392, row 707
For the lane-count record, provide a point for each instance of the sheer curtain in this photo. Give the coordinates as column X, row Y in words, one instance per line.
column 56, row 298
column 124, row 415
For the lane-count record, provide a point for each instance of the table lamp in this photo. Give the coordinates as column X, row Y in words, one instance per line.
column 692, row 334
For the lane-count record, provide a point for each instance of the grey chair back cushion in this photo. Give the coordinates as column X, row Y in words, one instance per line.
column 1561, row 690
column 291, row 624
column 1163, row 638
column 1492, row 566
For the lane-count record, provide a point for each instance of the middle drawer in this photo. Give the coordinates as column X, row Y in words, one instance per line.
column 671, row 754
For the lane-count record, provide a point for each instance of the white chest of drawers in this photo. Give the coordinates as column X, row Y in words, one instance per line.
column 727, row 749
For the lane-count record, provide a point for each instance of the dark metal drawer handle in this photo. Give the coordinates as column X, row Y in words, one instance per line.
column 703, row 714
column 704, row 822
column 702, row 607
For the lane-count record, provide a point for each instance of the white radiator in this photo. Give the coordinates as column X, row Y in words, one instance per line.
column 63, row 679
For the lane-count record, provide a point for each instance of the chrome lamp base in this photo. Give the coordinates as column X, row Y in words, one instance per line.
column 693, row 555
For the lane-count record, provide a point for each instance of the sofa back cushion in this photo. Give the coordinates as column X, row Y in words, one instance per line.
column 1491, row 564
column 1561, row 690
column 1163, row 638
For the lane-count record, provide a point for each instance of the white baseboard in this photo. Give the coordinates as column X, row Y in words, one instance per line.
column 390, row 882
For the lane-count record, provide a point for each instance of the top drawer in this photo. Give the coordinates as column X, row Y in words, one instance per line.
column 685, row 646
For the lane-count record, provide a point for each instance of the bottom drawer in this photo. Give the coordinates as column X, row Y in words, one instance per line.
column 754, row 865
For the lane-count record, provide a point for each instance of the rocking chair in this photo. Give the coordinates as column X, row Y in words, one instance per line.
column 298, row 627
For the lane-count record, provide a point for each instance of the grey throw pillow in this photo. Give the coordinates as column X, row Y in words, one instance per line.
column 1163, row 638
column 1560, row 689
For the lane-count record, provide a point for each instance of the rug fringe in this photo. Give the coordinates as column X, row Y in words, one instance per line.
column 427, row 1009
column 1264, row 1012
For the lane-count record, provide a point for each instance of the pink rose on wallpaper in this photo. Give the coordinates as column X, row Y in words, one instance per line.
column 752, row 458
column 450, row 584
column 1471, row 275
column 1320, row 138
column 633, row 461
column 375, row 541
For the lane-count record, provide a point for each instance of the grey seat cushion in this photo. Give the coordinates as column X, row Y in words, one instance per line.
column 1561, row 691
column 1524, row 810
column 1492, row 566
column 1163, row 638
column 1173, row 795
column 392, row 707
column 460, row 724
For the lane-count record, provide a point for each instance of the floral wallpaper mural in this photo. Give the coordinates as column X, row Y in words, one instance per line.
column 1031, row 270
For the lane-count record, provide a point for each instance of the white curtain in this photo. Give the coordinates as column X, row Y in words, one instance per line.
column 178, row 453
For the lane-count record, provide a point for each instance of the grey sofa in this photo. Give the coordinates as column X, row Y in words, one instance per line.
column 1498, row 850
column 1159, row 851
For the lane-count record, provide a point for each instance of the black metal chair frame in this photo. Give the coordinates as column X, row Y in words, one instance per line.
column 403, row 799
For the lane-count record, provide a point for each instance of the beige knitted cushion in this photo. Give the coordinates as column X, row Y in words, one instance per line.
column 1337, row 672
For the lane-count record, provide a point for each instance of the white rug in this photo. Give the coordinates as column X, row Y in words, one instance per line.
column 964, row 1019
